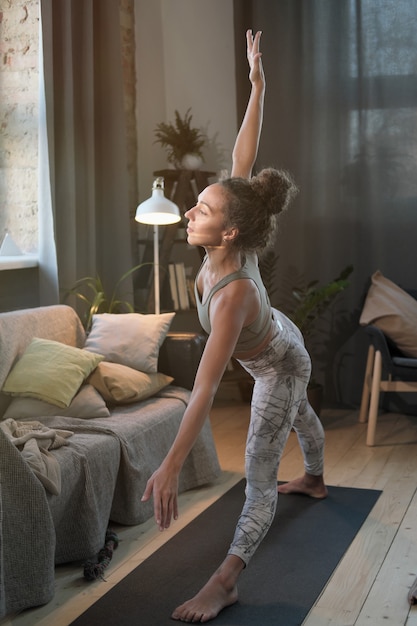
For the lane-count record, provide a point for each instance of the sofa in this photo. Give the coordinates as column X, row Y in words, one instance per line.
column 84, row 421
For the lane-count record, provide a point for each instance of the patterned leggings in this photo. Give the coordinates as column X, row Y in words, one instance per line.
column 279, row 403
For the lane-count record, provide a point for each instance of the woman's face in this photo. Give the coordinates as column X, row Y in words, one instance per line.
column 206, row 225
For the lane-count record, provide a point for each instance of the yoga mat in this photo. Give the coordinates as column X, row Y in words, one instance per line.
column 289, row 570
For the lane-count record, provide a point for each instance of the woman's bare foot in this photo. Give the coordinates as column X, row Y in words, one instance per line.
column 308, row 484
column 218, row 593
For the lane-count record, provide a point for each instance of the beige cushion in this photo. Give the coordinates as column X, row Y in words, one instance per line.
column 394, row 311
column 50, row 371
column 119, row 384
column 131, row 339
column 87, row 403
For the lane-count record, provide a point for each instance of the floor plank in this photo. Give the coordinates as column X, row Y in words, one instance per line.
column 387, row 600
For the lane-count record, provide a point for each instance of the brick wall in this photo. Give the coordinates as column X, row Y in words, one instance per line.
column 19, row 23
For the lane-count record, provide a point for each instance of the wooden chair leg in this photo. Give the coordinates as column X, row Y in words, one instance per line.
column 367, row 381
column 373, row 408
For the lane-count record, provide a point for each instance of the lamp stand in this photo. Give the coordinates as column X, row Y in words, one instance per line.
column 156, row 268
column 157, row 210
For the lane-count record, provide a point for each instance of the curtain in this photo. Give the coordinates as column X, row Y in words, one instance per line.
column 48, row 269
column 340, row 114
column 86, row 141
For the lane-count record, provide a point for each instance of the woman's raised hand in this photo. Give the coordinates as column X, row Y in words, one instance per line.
column 254, row 56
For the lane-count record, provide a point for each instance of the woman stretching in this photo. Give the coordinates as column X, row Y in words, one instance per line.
column 232, row 220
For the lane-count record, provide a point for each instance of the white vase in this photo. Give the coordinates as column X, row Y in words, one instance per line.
column 191, row 162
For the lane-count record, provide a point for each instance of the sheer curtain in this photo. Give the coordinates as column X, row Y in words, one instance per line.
column 48, row 268
column 340, row 114
column 84, row 145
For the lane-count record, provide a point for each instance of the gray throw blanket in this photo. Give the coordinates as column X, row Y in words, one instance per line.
column 34, row 440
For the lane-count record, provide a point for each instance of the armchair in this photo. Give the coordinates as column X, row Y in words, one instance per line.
column 388, row 370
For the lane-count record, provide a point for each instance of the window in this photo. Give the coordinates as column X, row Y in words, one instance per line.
column 383, row 130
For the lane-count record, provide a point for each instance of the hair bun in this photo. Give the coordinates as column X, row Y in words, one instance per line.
column 275, row 188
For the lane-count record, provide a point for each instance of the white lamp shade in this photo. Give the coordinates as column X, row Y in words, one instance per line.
column 157, row 210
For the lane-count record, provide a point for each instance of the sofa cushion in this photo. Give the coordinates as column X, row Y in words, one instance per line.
column 131, row 339
column 50, row 371
column 87, row 403
column 119, row 384
column 394, row 311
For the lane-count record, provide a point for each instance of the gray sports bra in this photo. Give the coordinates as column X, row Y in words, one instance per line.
column 252, row 335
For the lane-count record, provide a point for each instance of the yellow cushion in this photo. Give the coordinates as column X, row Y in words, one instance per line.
column 50, row 371
column 394, row 311
column 120, row 384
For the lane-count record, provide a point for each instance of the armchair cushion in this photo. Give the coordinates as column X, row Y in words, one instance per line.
column 394, row 311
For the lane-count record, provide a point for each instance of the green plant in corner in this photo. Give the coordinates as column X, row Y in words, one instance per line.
column 305, row 304
column 180, row 139
column 311, row 301
column 90, row 291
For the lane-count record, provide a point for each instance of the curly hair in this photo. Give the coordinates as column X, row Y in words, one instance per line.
column 253, row 205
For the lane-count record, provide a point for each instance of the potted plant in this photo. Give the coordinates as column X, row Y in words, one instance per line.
column 311, row 301
column 309, row 304
column 305, row 304
column 91, row 293
column 182, row 142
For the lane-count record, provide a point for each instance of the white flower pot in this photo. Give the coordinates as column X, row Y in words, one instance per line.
column 191, row 162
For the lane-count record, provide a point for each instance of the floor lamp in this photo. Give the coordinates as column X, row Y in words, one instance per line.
column 157, row 211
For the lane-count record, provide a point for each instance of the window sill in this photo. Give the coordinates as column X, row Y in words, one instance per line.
column 18, row 262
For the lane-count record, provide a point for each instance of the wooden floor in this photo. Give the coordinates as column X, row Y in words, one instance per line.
column 370, row 585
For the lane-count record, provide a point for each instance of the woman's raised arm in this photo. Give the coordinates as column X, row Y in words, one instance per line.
column 247, row 140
